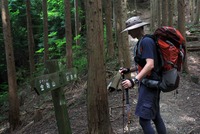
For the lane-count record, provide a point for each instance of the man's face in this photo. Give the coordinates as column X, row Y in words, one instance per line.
column 134, row 33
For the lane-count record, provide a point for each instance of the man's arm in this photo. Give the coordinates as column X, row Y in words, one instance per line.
column 123, row 70
column 147, row 68
column 133, row 69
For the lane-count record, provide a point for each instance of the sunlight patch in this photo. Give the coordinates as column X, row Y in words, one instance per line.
column 172, row 127
column 187, row 118
column 4, row 127
column 191, row 58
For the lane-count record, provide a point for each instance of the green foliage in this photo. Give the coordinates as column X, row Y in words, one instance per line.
column 21, row 74
column 39, row 69
column 4, row 86
column 56, row 38
column 56, row 46
column 3, row 97
column 41, row 50
column 80, row 55
column 194, row 29
column 4, row 105
column 55, row 9
column 77, row 37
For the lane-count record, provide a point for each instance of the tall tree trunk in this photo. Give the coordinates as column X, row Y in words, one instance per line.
column 68, row 34
column 118, row 26
column 45, row 30
column 31, row 43
column 176, row 9
column 158, row 12
column 192, row 10
column 164, row 12
column 109, row 33
column 170, row 12
column 125, row 42
column 153, row 15
column 196, row 20
column 181, row 27
column 115, row 24
column 97, row 98
column 76, row 16
column 135, row 6
column 12, row 83
column 187, row 12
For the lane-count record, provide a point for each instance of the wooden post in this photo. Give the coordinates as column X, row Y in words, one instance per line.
column 59, row 102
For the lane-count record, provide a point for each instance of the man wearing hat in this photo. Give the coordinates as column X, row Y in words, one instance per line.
column 148, row 108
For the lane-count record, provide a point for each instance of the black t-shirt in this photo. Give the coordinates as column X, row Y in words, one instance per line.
column 146, row 49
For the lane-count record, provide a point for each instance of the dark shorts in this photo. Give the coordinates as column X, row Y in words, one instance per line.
column 148, row 102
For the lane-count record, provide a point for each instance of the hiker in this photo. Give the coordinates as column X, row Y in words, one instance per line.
column 148, row 106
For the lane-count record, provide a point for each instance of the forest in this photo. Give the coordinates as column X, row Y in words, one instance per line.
column 59, row 57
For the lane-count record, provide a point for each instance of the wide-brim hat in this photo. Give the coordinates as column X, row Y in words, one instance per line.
column 133, row 23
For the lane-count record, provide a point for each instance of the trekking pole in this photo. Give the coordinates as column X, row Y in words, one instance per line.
column 123, row 98
column 128, row 110
column 127, row 107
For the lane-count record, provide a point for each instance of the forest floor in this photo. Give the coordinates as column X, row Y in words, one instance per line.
column 180, row 112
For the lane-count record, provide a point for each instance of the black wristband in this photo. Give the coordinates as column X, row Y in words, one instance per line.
column 132, row 82
column 128, row 70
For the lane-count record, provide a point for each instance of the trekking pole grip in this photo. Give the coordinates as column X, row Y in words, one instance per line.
column 127, row 92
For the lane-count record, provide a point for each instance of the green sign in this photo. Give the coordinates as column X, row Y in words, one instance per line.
column 67, row 76
column 53, row 81
column 48, row 82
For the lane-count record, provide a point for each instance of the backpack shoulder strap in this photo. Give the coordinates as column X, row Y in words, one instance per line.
column 139, row 43
column 159, row 59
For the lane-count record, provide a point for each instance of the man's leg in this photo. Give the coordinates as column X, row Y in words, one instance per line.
column 160, row 126
column 146, row 126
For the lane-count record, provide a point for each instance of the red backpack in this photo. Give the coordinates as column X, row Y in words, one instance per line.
column 171, row 49
column 171, row 46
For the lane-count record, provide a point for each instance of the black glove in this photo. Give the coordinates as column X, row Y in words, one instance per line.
column 124, row 70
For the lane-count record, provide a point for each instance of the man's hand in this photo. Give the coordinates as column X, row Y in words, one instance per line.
column 127, row 83
column 123, row 70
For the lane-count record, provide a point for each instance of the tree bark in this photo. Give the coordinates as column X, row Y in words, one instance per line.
column 31, row 43
column 76, row 16
column 158, row 12
column 68, row 34
column 181, row 28
column 126, row 60
column 196, row 21
column 135, row 6
column 109, row 33
column 164, row 12
column 187, row 12
column 45, row 30
column 153, row 15
column 12, row 83
column 192, row 9
column 97, row 98
column 170, row 12
column 118, row 28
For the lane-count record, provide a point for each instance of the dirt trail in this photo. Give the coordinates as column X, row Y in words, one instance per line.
column 180, row 111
